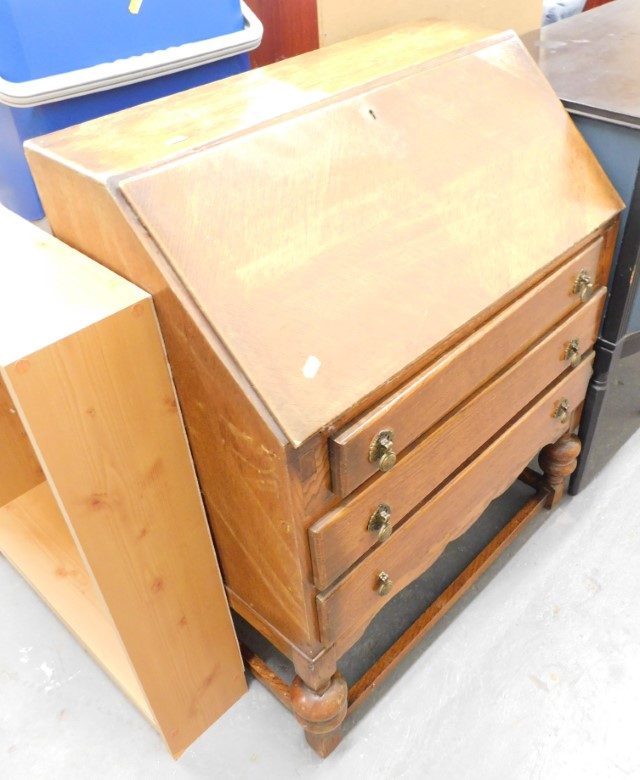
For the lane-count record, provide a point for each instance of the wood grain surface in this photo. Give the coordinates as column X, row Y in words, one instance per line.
column 36, row 541
column 82, row 358
column 224, row 417
column 19, row 467
column 341, row 537
column 372, row 678
column 435, row 392
column 324, row 289
column 49, row 291
column 111, row 437
column 349, row 606
column 170, row 127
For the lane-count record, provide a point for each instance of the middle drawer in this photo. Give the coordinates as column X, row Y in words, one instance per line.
column 342, row 536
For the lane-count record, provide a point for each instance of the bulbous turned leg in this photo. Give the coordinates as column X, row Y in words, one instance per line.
column 558, row 461
column 320, row 712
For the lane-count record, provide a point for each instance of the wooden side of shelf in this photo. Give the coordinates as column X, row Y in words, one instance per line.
column 101, row 510
column 19, row 467
column 36, row 541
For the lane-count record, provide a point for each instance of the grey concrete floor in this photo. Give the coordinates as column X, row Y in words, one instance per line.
column 535, row 674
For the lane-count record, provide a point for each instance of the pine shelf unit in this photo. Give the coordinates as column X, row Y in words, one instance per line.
column 100, row 509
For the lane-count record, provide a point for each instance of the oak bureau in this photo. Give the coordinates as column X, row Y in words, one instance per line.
column 379, row 273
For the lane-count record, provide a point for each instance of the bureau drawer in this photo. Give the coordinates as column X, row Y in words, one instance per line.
column 354, row 600
column 415, row 407
column 341, row 537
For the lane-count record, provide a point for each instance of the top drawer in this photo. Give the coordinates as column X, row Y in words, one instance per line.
column 355, row 454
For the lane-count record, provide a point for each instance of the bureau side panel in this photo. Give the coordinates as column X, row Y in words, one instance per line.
column 240, row 460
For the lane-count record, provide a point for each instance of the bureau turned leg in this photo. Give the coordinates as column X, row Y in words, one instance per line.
column 320, row 712
column 558, row 461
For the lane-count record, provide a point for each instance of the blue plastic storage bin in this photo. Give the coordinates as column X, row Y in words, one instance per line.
column 41, row 38
column 33, row 107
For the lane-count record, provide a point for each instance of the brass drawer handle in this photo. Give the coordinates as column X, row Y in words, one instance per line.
column 572, row 353
column 562, row 410
column 583, row 285
column 385, row 586
column 380, row 521
column 381, row 450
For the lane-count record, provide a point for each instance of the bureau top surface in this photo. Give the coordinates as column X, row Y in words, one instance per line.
column 335, row 247
column 168, row 127
column 593, row 60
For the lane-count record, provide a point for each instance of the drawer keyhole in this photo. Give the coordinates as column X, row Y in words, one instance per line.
column 583, row 285
column 381, row 450
column 385, row 584
column 380, row 522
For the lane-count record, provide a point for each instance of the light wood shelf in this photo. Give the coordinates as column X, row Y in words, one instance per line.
column 35, row 539
column 100, row 509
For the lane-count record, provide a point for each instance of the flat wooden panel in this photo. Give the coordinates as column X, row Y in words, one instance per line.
column 49, row 291
column 601, row 43
column 290, row 28
column 101, row 411
column 354, row 600
column 325, row 287
column 439, row 389
column 340, row 538
column 35, row 539
column 339, row 20
column 19, row 467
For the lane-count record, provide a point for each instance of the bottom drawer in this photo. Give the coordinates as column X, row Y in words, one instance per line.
column 350, row 605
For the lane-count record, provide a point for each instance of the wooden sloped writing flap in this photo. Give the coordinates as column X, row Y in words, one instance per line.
column 321, row 246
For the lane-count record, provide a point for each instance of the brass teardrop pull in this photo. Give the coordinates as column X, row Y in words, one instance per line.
column 572, row 353
column 381, row 450
column 380, row 522
column 562, row 410
column 386, row 584
column 583, row 285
